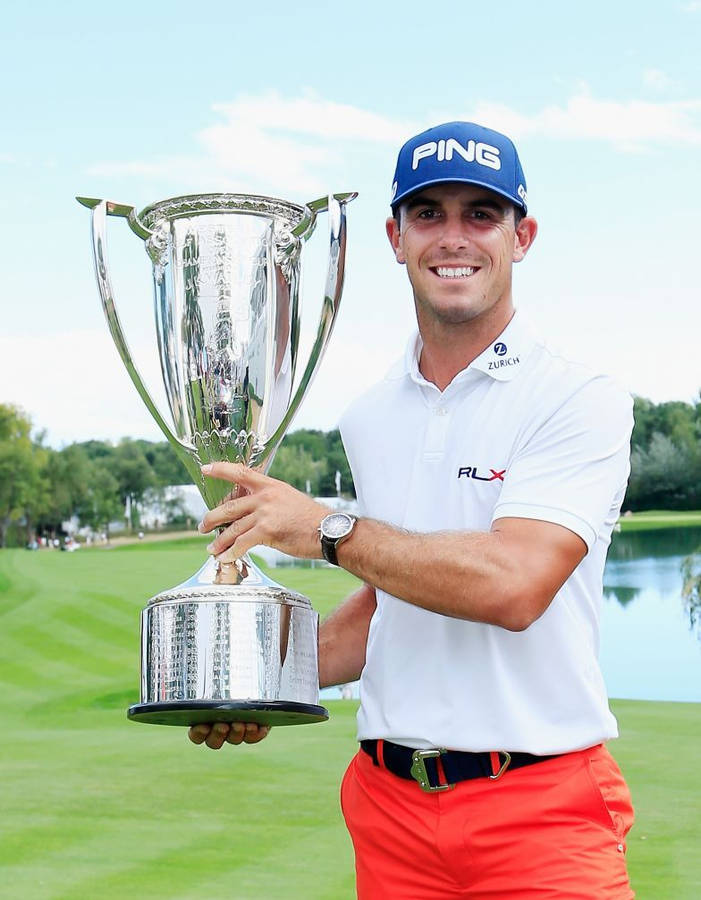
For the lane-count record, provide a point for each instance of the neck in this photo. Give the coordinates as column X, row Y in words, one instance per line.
column 450, row 348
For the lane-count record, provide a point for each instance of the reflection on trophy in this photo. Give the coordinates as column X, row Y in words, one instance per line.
column 229, row 644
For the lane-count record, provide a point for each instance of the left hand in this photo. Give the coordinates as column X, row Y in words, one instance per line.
column 265, row 511
column 217, row 734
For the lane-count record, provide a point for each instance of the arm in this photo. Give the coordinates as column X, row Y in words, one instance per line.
column 343, row 637
column 505, row 577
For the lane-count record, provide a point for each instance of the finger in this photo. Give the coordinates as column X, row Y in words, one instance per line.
column 228, row 538
column 235, row 472
column 243, row 543
column 217, row 735
column 255, row 733
column 229, row 511
column 198, row 733
column 236, row 733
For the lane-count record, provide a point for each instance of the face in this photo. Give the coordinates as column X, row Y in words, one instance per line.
column 459, row 243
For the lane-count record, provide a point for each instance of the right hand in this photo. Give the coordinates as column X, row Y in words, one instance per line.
column 216, row 734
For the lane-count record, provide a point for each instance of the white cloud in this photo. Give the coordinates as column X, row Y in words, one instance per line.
column 269, row 142
column 628, row 125
column 692, row 7
column 657, row 79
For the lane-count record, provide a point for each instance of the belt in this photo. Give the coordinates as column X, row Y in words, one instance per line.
column 440, row 770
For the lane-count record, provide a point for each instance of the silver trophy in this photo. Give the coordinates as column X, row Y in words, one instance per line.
column 229, row 644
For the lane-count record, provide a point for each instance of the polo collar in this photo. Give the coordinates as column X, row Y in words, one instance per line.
column 501, row 360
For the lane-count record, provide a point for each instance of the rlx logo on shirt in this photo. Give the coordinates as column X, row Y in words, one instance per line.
column 471, row 472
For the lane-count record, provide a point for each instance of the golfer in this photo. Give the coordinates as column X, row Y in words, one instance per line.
column 490, row 472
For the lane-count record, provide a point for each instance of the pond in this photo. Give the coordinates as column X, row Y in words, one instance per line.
column 648, row 650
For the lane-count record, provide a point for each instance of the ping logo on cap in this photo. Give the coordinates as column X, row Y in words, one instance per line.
column 444, row 150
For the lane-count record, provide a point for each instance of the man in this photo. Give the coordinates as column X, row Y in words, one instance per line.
column 490, row 473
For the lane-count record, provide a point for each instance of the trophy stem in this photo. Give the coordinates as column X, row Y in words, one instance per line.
column 242, row 572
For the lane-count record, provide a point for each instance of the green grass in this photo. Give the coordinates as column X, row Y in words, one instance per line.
column 95, row 806
column 659, row 518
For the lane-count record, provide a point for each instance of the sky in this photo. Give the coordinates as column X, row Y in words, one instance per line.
column 139, row 102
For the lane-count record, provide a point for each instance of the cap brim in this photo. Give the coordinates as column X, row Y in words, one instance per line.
column 434, row 181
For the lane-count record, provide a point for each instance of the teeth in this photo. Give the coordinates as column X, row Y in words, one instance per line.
column 462, row 272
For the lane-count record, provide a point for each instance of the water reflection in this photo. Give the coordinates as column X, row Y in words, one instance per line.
column 665, row 542
column 648, row 650
column 691, row 590
column 624, row 595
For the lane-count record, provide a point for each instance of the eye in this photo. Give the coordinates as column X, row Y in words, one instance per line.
column 428, row 213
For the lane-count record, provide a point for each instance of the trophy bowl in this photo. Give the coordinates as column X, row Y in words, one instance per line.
column 228, row 644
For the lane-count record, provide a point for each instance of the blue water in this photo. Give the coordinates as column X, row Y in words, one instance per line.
column 648, row 651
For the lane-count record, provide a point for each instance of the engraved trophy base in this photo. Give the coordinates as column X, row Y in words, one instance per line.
column 229, row 645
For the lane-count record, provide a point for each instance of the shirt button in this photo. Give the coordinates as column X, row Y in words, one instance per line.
column 441, row 411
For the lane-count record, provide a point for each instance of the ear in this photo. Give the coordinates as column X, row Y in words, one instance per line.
column 395, row 239
column 524, row 237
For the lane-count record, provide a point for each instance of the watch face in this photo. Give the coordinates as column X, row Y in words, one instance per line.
column 337, row 525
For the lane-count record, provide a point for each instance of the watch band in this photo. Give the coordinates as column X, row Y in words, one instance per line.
column 328, row 548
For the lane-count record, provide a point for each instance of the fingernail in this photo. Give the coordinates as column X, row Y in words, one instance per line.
column 207, row 468
column 210, row 548
column 201, row 528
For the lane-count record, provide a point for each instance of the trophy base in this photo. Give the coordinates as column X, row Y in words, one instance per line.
column 194, row 712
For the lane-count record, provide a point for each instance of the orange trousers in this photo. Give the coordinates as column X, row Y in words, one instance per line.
column 555, row 829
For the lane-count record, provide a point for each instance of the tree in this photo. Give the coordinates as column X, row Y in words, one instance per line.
column 167, row 467
column 664, row 475
column 134, row 475
column 67, row 473
column 22, row 486
column 297, row 466
column 102, row 503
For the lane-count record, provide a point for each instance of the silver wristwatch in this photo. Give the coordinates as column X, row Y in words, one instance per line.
column 333, row 530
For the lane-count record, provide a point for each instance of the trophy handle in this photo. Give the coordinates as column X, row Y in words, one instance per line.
column 336, row 206
column 100, row 210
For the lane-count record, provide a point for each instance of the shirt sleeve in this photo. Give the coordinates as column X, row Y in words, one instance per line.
column 348, row 436
column 573, row 470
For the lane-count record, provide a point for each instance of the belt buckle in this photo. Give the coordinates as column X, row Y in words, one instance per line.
column 504, row 765
column 419, row 773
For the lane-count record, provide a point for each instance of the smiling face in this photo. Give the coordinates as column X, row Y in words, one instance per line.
column 459, row 242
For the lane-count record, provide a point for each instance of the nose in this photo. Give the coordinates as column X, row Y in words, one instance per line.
column 453, row 235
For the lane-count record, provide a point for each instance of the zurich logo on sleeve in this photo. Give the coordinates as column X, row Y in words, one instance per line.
column 500, row 349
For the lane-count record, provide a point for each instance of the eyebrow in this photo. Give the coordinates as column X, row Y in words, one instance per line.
column 420, row 200
column 484, row 202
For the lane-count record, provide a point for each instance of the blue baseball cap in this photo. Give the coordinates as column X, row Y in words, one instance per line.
column 459, row 151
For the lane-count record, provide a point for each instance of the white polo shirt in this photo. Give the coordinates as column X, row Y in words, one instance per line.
column 521, row 432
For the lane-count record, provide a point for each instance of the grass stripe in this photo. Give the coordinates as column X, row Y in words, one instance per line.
column 95, row 806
